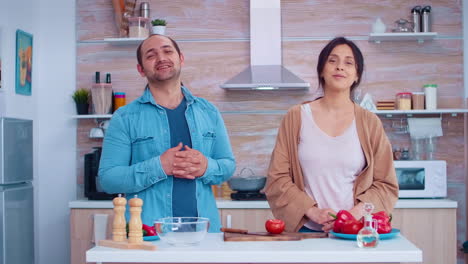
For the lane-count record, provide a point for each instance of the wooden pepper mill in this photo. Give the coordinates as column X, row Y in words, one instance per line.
column 135, row 235
column 119, row 232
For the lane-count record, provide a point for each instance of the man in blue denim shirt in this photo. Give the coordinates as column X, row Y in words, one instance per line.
column 168, row 146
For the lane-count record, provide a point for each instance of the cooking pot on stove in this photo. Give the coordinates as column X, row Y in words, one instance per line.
column 244, row 182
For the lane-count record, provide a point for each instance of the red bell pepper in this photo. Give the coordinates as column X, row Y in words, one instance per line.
column 351, row 227
column 340, row 219
column 385, row 228
column 383, row 221
column 149, row 230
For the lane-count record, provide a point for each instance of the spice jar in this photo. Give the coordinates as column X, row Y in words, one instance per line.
column 138, row 27
column 418, row 100
column 403, row 101
column 119, row 100
column 405, row 154
column 397, row 154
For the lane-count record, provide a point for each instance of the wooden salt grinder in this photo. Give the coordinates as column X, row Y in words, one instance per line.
column 135, row 235
column 119, row 232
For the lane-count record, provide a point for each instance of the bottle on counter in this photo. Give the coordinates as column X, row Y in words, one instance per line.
column 368, row 237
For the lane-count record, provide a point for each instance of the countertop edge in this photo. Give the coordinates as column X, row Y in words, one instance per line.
column 214, row 250
column 228, row 204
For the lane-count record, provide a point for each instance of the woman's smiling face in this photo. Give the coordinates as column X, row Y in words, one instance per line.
column 340, row 70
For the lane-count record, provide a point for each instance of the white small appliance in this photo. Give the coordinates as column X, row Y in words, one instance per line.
column 422, row 178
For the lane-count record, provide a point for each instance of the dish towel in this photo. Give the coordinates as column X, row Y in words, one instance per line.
column 425, row 127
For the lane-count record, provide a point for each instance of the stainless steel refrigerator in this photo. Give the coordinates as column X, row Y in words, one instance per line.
column 16, row 191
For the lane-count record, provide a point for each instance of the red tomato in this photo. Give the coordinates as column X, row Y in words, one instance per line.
column 274, row 226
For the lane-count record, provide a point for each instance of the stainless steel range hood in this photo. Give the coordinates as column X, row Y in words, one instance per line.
column 265, row 71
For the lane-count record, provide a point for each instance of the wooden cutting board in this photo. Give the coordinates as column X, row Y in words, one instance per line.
column 264, row 236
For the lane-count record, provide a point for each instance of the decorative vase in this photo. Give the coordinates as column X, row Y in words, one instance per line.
column 378, row 26
column 160, row 30
column 82, row 109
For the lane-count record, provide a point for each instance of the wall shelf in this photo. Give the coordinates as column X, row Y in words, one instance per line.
column 123, row 41
column 420, row 36
column 108, row 116
column 452, row 111
column 388, row 113
column 372, row 37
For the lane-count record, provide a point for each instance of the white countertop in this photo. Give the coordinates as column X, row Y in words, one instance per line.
column 214, row 250
column 228, row 204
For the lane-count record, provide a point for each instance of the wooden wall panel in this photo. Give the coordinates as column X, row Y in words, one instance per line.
column 252, row 138
column 185, row 19
column 389, row 68
column 301, row 18
column 354, row 18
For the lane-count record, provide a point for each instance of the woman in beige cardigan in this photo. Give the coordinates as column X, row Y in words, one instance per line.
column 331, row 154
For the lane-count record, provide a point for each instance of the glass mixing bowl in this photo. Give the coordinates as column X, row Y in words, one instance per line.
column 182, row 231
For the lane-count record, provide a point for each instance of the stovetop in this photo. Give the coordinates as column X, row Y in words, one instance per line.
column 248, row 196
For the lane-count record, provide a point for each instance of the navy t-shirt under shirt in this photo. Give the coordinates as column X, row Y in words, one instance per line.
column 184, row 201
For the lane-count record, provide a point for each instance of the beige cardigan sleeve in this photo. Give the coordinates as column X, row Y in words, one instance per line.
column 285, row 187
column 378, row 184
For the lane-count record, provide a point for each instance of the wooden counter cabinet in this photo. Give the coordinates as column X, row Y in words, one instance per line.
column 433, row 230
column 250, row 219
column 82, row 232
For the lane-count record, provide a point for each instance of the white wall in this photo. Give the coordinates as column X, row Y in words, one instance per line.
column 465, row 45
column 52, row 23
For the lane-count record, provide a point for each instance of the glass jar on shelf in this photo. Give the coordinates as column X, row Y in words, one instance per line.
column 403, row 101
column 405, row 155
column 138, row 27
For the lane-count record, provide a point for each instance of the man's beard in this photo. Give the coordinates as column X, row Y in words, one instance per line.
column 155, row 77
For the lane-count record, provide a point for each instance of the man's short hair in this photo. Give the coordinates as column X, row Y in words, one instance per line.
column 176, row 46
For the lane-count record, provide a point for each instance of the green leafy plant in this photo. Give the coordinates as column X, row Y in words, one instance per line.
column 81, row 96
column 158, row 22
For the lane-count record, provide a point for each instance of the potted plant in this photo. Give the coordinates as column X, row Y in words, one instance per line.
column 159, row 26
column 81, row 98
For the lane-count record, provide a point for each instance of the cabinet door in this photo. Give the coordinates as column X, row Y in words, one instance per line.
column 433, row 230
column 81, row 232
column 250, row 219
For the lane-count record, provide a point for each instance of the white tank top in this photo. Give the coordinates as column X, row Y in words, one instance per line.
column 330, row 165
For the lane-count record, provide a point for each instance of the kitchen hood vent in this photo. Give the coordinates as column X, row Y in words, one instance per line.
column 265, row 71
